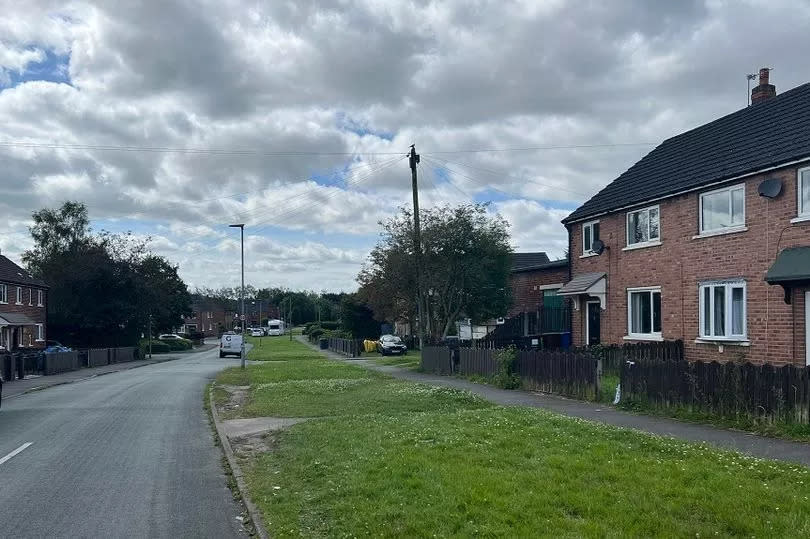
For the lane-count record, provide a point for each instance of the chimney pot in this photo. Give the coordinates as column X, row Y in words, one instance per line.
column 764, row 90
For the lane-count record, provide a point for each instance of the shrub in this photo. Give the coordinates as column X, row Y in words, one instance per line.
column 158, row 347
column 506, row 377
column 316, row 333
column 330, row 325
column 177, row 345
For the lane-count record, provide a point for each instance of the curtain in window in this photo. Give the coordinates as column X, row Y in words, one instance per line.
column 719, row 311
column 805, row 187
column 737, row 311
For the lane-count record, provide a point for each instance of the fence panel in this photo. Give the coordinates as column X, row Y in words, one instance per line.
column 97, row 357
column 57, row 362
column 437, row 359
column 731, row 390
column 347, row 347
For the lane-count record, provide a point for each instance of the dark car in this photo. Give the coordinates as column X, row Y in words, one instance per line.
column 56, row 346
column 391, row 344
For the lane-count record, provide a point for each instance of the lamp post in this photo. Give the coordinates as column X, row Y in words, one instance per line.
column 241, row 227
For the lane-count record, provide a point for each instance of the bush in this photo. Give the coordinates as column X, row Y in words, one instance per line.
column 330, row 325
column 506, row 377
column 177, row 345
column 316, row 333
column 158, row 347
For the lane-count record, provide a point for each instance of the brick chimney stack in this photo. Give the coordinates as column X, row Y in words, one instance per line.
column 764, row 91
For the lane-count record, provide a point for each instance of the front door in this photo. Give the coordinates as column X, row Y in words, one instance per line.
column 807, row 327
column 593, row 330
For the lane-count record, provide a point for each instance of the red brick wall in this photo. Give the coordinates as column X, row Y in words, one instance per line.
column 526, row 292
column 35, row 313
column 681, row 262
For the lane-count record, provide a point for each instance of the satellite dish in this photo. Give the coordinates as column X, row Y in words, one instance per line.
column 598, row 246
column 770, row 188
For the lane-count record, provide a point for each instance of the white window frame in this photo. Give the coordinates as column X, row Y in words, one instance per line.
column 650, row 241
column 30, row 297
column 40, row 298
column 728, row 285
column 801, row 212
column 4, row 294
column 728, row 190
column 653, row 335
column 19, row 296
column 40, row 332
column 589, row 225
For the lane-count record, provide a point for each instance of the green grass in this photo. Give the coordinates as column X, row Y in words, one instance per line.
column 409, row 361
column 396, row 459
column 280, row 348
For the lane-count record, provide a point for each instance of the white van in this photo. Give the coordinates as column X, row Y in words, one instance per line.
column 230, row 344
column 275, row 327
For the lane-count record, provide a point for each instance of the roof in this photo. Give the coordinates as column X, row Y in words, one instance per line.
column 12, row 273
column 15, row 319
column 526, row 260
column 554, row 264
column 581, row 283
column 758, row 137
column 791, row 265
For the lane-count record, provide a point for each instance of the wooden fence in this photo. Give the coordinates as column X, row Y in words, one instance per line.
column 727, row 389
column 437, row 359
column 347, row 347
column 613, row 357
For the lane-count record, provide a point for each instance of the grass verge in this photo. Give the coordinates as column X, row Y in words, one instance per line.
column 393, row 459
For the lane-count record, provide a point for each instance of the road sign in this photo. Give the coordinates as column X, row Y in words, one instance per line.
column 241, row 317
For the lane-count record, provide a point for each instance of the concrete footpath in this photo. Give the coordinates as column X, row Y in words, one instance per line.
column 16, row 388
column 751, row 444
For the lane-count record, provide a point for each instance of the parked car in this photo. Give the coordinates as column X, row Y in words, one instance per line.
column 230, row 344
column 256, row 332
column 170, row 337
column 55, row 346
column 391, row 344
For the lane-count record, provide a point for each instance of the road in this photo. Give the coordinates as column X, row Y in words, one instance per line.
column 128, row 454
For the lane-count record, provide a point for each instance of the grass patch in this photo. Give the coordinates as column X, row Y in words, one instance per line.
column 607, row 388
column 280, row 348
column 409, row 361
column 516, row 472
column 788, row 431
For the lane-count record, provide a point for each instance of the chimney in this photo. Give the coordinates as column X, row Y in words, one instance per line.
column 763, row 91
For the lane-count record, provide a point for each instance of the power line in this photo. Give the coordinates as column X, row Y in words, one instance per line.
column 540, row 148
column 502, row 175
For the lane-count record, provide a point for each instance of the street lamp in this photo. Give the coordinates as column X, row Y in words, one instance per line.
column 241, row 227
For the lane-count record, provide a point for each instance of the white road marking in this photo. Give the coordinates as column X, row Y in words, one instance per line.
column 16, row 452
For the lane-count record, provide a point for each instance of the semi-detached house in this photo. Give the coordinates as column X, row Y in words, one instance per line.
column 706, row 239
column 23, row 308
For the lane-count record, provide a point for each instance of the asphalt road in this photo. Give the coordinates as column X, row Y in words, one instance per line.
column 128, row 454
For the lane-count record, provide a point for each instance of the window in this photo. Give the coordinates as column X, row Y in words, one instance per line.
column 722, row 310
column 31, row 297
column 644, row 312
column 643, row 226
column 3, row 293
column 803, row 188
column 590, row 233
column 40, row 332
column 722, row 209
column 40, row 298
column 19, row 295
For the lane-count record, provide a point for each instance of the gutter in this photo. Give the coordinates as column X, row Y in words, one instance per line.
column 683, row 192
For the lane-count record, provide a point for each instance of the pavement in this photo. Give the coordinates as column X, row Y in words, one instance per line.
column 34, row 383
column 751, row 444
column 128, row 454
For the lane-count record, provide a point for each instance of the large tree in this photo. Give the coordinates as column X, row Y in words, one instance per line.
column 464, row 271
column 103, row 287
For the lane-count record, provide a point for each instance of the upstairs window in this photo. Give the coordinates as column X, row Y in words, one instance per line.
column 19, row 295
column 722, row 310
column 722, row 209
column 804, row 192
column 643, row 226
column 590, row 233
column 3, row 293
column 31, row 297
column 40, row 298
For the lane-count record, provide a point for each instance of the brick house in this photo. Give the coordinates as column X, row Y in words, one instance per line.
column 23, row 308
column 208, row 316
column 705, row 239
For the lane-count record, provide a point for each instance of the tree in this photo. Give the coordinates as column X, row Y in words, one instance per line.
column 465, row 267
column 102, row 286
column 357, row 318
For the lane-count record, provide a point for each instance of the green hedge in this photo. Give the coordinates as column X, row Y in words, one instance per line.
column 177, row 345
column 158, row 347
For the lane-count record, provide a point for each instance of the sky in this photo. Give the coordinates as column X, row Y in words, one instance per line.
column 173, row 119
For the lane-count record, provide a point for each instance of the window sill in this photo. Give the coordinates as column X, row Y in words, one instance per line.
column 40, row 340
column 721, row 342
column 642, row 245
column 658, row 338
column 587, row 255
column 721, row 232
column 18, row 303
column 800, row 219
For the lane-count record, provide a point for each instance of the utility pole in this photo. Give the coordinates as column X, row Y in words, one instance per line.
column 290, row 317
column 417, row 244
column 241, row 228
column 150, row 335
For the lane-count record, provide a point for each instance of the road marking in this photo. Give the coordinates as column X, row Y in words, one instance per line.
column 16, row 452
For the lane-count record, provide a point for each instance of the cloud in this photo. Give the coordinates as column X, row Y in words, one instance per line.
column 289, row 116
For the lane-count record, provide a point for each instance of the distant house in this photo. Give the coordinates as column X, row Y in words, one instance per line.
column 210, row 317
column 23, row 308
column 706, row 239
